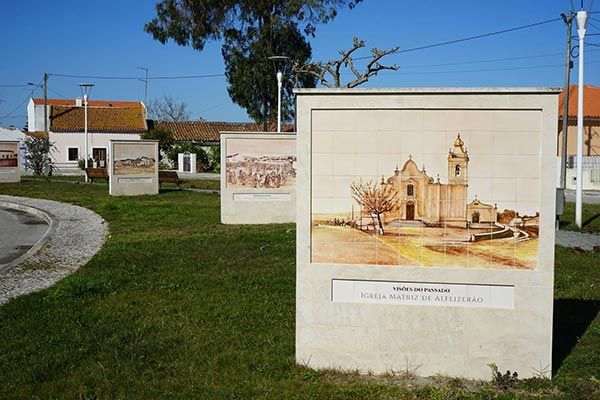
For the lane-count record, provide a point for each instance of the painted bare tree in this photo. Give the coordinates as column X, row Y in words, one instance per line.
column 374, row 198
column 329, row 73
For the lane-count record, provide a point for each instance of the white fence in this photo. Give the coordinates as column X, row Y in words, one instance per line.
column 591, row 172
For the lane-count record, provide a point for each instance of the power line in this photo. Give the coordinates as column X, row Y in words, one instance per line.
column 137, row 78
column 590, row 24
column 429, row 46
column 23, row 102
column 58, row 93
column 14, row 85
column 484, row 69
column 481, row 61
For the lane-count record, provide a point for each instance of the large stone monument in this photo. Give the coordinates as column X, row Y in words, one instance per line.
column 423, row 242
column 258, row 178
column 133, row 167
column 10, row 164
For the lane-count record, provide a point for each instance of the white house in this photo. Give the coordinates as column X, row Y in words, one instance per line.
column 107, row 120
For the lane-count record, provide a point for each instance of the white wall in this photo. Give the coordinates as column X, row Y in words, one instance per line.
column 62, row 141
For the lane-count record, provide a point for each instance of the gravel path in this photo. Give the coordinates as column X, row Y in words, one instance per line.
column 584, row 241
column 77, row 235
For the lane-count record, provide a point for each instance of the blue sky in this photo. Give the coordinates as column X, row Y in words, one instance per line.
column 107, row 39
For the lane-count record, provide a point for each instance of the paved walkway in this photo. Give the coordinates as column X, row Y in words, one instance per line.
column 588, row 196
column 76, row 235
column 19, row 233
column 584, row 241
column 209, row 176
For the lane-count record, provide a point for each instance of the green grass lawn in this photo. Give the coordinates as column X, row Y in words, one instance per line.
column 177, row 305
column 206, row 184
column 590, row 218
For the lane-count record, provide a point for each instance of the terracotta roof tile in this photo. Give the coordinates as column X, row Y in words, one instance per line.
column 36, row 134
column 208, row 131
column 92, row 103
column 100, row 119
column 591, row 101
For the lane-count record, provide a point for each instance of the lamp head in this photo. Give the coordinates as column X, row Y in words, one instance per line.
column 581, row 23
column 86, row 89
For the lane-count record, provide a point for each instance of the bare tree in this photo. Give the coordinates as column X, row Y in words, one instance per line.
column 168, row 109
column 375, row 198
column 333, row 67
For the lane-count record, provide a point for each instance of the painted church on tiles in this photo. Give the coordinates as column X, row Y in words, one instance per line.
column 422, row 198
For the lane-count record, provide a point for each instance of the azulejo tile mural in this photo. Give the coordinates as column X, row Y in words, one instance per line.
column 472, row 208
column 134, row 159
column 9, row 155
column 260, row 163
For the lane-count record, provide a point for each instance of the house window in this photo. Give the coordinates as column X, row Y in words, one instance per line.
column 457, row 170
column 73, row 153
column 410, row 190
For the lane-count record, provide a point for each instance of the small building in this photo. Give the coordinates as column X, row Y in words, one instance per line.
column 481, row 213
column 107, row 120
column 591, row 121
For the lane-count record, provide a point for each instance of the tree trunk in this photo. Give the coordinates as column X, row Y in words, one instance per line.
column 380, row 224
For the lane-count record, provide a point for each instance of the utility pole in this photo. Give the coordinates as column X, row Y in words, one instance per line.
column 565, row 122
column 46, row 104
column 145, row 80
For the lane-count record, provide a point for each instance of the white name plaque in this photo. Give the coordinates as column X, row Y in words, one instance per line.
column 7, row 170
column 422, row 293
column 135, row 180
column 261, row 197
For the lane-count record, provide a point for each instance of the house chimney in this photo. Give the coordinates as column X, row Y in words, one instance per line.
column 78, row 102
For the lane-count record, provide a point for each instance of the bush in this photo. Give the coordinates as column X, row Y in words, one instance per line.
column 214, row 156
column 38, row 155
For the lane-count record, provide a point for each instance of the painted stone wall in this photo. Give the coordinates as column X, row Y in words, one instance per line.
column 133, row 168
column 422, row 238
column 258, row 178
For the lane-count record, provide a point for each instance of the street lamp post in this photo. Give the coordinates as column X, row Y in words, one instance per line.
column 279, row 81
column 581, row 22
column 86, row 89
column 279, row 85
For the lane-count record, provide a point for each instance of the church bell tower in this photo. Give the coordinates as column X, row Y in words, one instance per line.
column 458, row 163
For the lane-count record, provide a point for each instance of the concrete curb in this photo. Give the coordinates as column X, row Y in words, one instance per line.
column 50, row 220
column 75, row 236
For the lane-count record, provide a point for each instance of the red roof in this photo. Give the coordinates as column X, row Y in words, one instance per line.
column 100, row 119
column 91, row 103
column 208, row 131
column 591, row 102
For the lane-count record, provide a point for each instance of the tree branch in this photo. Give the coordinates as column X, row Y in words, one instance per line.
column 333, row 67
